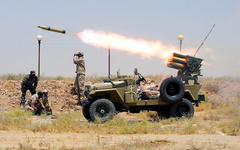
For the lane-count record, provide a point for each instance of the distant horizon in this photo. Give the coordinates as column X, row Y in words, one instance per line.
column 114, row 75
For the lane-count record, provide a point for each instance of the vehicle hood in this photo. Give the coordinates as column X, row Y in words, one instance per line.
column 108, row 85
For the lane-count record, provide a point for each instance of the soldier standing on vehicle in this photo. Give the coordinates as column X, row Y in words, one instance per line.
column 78, row 59
column 35, row 104
column 29, row 82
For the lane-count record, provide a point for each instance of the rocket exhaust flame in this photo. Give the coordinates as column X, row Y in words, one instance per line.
column 144, row 48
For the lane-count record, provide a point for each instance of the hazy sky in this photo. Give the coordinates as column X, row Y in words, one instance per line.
column 147, row 19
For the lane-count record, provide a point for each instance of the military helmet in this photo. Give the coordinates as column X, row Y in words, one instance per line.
column 32, row 72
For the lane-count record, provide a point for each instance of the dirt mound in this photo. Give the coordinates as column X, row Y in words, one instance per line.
column 226, row 89
column 59, row 94
column 62, row 100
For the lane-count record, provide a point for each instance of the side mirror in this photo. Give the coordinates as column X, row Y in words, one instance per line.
column 136, row 71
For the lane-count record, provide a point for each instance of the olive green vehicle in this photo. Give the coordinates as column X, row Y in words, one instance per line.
column 175, row 98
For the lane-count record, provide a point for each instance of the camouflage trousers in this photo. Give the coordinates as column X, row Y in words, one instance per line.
column 79, row 83
column 24, row 89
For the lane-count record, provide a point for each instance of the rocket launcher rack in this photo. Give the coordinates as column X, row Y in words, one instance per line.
column 189, row 67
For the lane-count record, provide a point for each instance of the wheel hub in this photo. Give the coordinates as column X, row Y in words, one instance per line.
column 182, row 110
column 172, row 89
column 102, row 111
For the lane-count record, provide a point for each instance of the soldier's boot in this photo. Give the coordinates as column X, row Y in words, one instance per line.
column 22, row 101
column 81, row 97
column 38, row 112
column 79, row 101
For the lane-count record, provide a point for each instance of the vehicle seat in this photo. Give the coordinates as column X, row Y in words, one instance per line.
column 153, row 94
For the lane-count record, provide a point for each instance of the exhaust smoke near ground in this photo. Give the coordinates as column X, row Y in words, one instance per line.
column 118, row 42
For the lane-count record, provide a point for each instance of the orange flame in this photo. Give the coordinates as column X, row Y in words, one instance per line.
column 144, row 48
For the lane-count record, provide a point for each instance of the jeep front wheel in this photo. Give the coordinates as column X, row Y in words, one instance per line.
column 102, row 109
column 85, row 111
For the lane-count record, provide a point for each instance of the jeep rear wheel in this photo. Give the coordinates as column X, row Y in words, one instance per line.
column 102, row 109
column 183, row 108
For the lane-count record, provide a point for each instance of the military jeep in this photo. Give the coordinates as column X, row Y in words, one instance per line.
column 176, row 98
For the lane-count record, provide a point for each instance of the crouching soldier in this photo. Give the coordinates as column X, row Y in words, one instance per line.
column 35, row 104
column 29, row 82
column 46, row 103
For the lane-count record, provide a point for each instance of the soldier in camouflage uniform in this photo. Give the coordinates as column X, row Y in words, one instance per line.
column 35, row 104
column 29, row 82
column 46, row 103
column 80, row 71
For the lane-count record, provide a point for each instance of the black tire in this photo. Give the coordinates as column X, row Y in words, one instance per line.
column 183, row 108
column 102, row 109
column 85, row 111
column 172, row 90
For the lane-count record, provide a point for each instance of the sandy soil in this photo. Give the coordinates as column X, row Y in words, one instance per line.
column 14, row 139
column 63, row 101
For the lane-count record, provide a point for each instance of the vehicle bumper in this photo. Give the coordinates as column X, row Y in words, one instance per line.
column 201, row 98
column 84, row 102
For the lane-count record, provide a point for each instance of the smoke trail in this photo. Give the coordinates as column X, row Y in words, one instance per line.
column 144, row 48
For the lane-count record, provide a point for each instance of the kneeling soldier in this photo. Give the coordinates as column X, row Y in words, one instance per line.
column 35, row 104
column 46, row 103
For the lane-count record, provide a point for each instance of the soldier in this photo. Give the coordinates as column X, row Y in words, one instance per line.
column 35, row 104
column 80, row 77
column 29, row 82
column 46, row 103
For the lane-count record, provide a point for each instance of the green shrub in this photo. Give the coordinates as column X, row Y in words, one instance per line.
column 11, row 76
column 60, row 78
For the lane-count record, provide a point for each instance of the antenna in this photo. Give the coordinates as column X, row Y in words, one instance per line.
column 204, row 40
column 109, row 61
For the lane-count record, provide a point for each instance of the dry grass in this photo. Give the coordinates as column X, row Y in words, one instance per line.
column 133, row 145
column 70, row 122
column 15, row 119
column 224, row 118
column 140, row 145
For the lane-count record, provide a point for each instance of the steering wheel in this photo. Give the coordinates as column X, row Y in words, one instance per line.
column 140, row 78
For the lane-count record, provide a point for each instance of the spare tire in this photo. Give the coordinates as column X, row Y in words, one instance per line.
column 172, row 90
